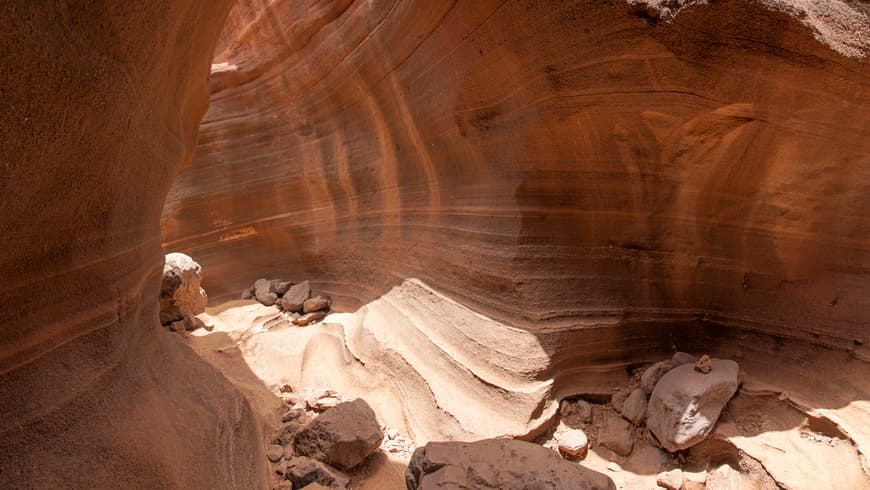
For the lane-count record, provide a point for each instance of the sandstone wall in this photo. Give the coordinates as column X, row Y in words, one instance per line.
column 100, row 104
column 553, row 164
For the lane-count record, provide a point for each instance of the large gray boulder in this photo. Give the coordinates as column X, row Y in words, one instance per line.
column 505, row 464
column 686, row 403
column 180, row 293
column 342, row 436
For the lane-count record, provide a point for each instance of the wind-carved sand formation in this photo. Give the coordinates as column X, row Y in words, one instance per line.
column 512, row 204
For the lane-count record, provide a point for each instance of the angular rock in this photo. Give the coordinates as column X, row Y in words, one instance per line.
column 686, row 404
column 672, row 480
column 617, row 436
column 180, row 291
column 634, row 408
column 303, row 471
column 263, row 292
column 579, row 410
column 617, row 400
column 653, row 374
column 573, row 443
column 294, row 299
column 274, row 453
column 309, row 318
column 505, row 464
column 317, row 303
column 279, row 287
column 292, row 415
column 703, row 364
column 342, row 436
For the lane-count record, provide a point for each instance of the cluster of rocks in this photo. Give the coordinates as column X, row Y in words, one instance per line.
column 295, row 299
column 673, row 404
column 181, row 296
column 314, row 451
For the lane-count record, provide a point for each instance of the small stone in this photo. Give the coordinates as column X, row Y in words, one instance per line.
column 289, row 453
column 653, row 374
column 613, row 466
column 274, row 453
column 248, row 293
column 309, row 318
column 279, row 287
column 286, row 434
column 634, row 408
column 617, row 400
column 681, row 358
column 285, row 388
column 576, row 410
column 573, row 443
column 703, row 364
column 317, row 303
column 617, row 436
column 294, row 299
column 672, row 480
column 291, row 415
column 178, row 326
column 192, row 323
column 325, row 403
column 303, row 471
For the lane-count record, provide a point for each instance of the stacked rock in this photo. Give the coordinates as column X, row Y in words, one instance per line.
column 295, row 299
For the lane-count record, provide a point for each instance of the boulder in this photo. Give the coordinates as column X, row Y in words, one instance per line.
column 653, row 374
column 263, row 292
column 686, row 403
column 317, row 303
column 342, row 436
column 617, row 400
column 302, row 471
column 573, row 443
column 294, row 299
column 309, row 318
column 634, row 408
column 279, row 287
column 180, row 292
column 617, row 436
column 681, row 358
column 248, row 293
column 505, row 464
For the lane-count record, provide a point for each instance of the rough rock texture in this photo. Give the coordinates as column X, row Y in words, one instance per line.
column 497, row 463
column 100, row 103
column 654, row 373
column 686, row 403
column 295, row 297
column 617, row 435
column 181, row 296
column 634, row 409
column 303, row 471
column 342, row 436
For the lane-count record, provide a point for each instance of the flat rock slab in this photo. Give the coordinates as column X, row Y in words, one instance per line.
column 686, row 403
column 505, row 464
column 342, row 436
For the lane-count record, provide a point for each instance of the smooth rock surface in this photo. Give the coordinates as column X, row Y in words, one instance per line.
column 573, row 443
column 617, row 435
column 634, row 409
column 180, row 293
column 498, row 463
column 685, row 404
column 342, row 436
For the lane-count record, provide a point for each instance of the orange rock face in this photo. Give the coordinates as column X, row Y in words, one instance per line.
column 551, row 163
column 100, row 103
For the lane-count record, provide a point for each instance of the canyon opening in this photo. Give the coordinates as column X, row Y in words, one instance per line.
column 435, row 244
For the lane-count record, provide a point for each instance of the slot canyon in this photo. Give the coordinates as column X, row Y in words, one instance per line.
column 536, row 244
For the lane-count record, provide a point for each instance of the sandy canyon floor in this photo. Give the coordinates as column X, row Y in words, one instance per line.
column 771, row 435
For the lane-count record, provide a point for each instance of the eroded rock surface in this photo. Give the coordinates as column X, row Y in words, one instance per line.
column 498, row 463
column 181, row 296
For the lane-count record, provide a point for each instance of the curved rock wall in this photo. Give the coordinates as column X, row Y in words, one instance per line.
column 554, row 164
column 100, row 103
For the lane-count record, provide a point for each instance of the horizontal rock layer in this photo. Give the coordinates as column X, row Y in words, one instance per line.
column 558, row 166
